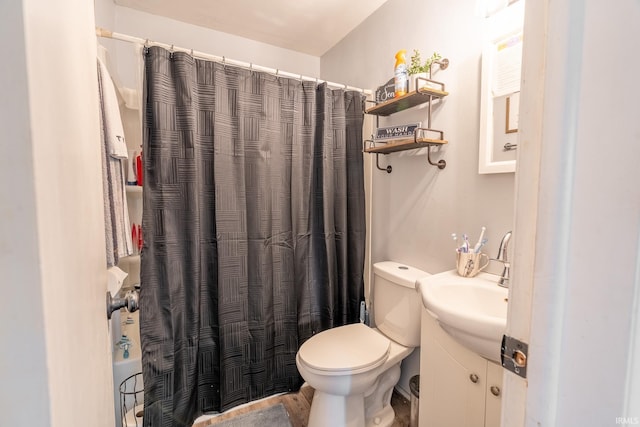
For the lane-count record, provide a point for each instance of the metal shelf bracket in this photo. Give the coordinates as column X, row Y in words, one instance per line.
column 388, row 168
column 441, row 164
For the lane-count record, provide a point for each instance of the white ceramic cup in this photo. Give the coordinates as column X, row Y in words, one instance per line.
column 469, row 264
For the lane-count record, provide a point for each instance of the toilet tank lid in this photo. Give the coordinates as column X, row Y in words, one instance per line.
column 396, row 272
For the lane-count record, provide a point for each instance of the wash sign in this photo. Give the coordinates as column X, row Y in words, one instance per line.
column 396, row 132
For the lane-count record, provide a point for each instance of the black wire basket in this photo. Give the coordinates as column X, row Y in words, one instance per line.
column 132, row 401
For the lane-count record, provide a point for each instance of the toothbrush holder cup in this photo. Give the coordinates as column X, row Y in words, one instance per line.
column 469, row 264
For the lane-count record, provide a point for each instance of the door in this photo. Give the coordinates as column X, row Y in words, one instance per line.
column 56, row 367
column 562, row 302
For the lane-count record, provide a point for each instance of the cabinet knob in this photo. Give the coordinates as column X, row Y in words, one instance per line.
column 474, row 378
column 495, row 390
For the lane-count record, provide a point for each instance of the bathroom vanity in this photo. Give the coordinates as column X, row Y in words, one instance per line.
column 457, row 386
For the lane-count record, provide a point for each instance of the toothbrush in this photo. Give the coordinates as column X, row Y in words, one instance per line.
column 478, row 245
column 484, row 242
column 465, row 243
column 455, row 238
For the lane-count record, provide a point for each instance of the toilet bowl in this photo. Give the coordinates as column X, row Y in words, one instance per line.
column 353, row 368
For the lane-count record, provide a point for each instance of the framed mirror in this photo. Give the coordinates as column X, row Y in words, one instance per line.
column 500, row 90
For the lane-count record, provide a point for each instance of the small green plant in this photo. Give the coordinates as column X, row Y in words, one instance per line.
column 417, row 66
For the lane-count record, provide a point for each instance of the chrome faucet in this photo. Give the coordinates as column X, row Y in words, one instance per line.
column 502, row 257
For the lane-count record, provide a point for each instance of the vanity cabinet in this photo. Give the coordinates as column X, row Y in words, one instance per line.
column 493, row 400
column 457, row 386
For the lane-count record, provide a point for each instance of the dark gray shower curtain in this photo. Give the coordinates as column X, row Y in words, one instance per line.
column 253, row 230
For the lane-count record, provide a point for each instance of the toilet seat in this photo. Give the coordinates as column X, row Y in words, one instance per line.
column 351, row 348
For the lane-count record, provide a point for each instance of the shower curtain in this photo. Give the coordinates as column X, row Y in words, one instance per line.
column 253, row 230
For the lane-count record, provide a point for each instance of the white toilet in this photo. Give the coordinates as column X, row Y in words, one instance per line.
column 353, row 368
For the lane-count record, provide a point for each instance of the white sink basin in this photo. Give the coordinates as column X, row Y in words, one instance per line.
column 472, row 310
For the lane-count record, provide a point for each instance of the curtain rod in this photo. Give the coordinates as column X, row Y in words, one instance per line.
column 101, row 32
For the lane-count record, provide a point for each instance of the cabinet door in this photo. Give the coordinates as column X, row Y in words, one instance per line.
column 452, row 382
column 494, row 394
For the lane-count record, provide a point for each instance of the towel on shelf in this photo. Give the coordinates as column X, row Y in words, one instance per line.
column 117, row 227
column 112, row 121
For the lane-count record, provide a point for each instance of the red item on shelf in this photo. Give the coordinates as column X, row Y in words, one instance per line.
column 139, row 168
column 140, row 241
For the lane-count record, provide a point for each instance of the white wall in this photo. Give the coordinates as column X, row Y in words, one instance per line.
column 105, row 17
column 157, row 28
column 417, row 206
column 55, row 367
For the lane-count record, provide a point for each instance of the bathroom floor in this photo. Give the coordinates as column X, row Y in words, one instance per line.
column 298, row 405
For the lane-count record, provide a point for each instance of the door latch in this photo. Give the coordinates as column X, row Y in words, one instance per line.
column 513, row 354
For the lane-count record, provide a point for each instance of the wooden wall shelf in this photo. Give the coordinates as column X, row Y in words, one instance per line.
column 423, row 95
column 404, row 102
column 396, row 145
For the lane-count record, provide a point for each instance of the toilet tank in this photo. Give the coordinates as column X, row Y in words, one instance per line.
column 396, row 303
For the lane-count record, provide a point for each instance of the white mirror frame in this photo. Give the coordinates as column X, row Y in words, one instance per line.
column 507, row 22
